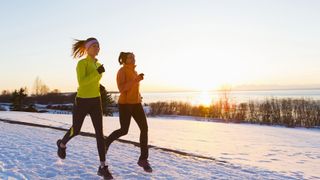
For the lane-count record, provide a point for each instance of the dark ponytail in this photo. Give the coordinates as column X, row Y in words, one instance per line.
column 123, row 57
column 79, row 47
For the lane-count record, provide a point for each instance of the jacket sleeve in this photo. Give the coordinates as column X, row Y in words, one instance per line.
column 84, row 79
column 124, row 86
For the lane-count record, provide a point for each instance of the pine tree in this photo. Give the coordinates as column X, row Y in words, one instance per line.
column 106, row 101
column 17, row 99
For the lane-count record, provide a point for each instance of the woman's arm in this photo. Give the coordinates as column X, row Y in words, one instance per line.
column 83, row 79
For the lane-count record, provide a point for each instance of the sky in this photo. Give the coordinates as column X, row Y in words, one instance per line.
column 180, row 45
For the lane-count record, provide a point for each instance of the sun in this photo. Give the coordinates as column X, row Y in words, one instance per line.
column 205, row 99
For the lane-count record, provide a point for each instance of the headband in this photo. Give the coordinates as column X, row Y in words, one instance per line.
column 90, row 43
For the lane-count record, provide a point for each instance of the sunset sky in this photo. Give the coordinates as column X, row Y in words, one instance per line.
column 180, row 45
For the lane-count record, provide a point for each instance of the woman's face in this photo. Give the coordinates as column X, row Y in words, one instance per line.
column 130, row 59
column 93, row 50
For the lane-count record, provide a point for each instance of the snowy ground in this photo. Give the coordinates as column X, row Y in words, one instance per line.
column 30, row 153
column 40, row 107
column 251, row 151
column 5, row 106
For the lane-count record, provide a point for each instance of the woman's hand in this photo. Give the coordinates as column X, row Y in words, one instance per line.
column 140, row 77
column 101, row 69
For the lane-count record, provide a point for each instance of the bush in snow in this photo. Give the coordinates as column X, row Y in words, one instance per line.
column 286, row 111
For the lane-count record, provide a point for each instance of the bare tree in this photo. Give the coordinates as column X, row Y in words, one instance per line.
column 225, row 97
column 39, row 88
column 5, row 93
column 55, row 91
column 44, row 89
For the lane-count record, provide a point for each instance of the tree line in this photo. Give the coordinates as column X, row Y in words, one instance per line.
column 21, row 101
column 290, row 112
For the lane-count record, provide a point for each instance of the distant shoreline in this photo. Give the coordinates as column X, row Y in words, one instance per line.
column 232, row 90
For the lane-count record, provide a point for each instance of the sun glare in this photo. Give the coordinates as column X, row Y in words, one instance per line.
column 205, row 99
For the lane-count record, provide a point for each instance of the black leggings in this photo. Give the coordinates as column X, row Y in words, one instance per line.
column 125, row 113
column 82, row 107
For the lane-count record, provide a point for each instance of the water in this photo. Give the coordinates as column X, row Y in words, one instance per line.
column 234, row 96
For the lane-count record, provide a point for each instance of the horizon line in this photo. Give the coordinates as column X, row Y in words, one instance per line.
column 185, row 91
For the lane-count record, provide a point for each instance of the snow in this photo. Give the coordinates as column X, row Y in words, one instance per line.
column 5, row 106
column 250, row 151
column 30, row 153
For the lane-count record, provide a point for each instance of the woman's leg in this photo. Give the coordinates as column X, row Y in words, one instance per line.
column 79, row 113
column 140, row 117
column 124, row 116
column 80, row 110
column 96, row 117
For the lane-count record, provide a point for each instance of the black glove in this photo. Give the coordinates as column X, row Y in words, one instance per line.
column 101, row 69
column 102, row 88
column 142, row 75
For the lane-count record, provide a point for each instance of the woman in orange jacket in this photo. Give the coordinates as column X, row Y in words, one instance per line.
column 129, row 103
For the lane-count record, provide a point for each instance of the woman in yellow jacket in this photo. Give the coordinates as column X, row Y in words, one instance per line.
column 88, row 100
column 130, row 106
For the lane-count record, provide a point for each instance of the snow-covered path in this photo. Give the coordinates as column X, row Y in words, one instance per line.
column 30, row 153
column 292, row 152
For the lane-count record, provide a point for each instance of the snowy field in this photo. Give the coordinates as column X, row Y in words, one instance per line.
column 30, row 153
column 250, row 151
